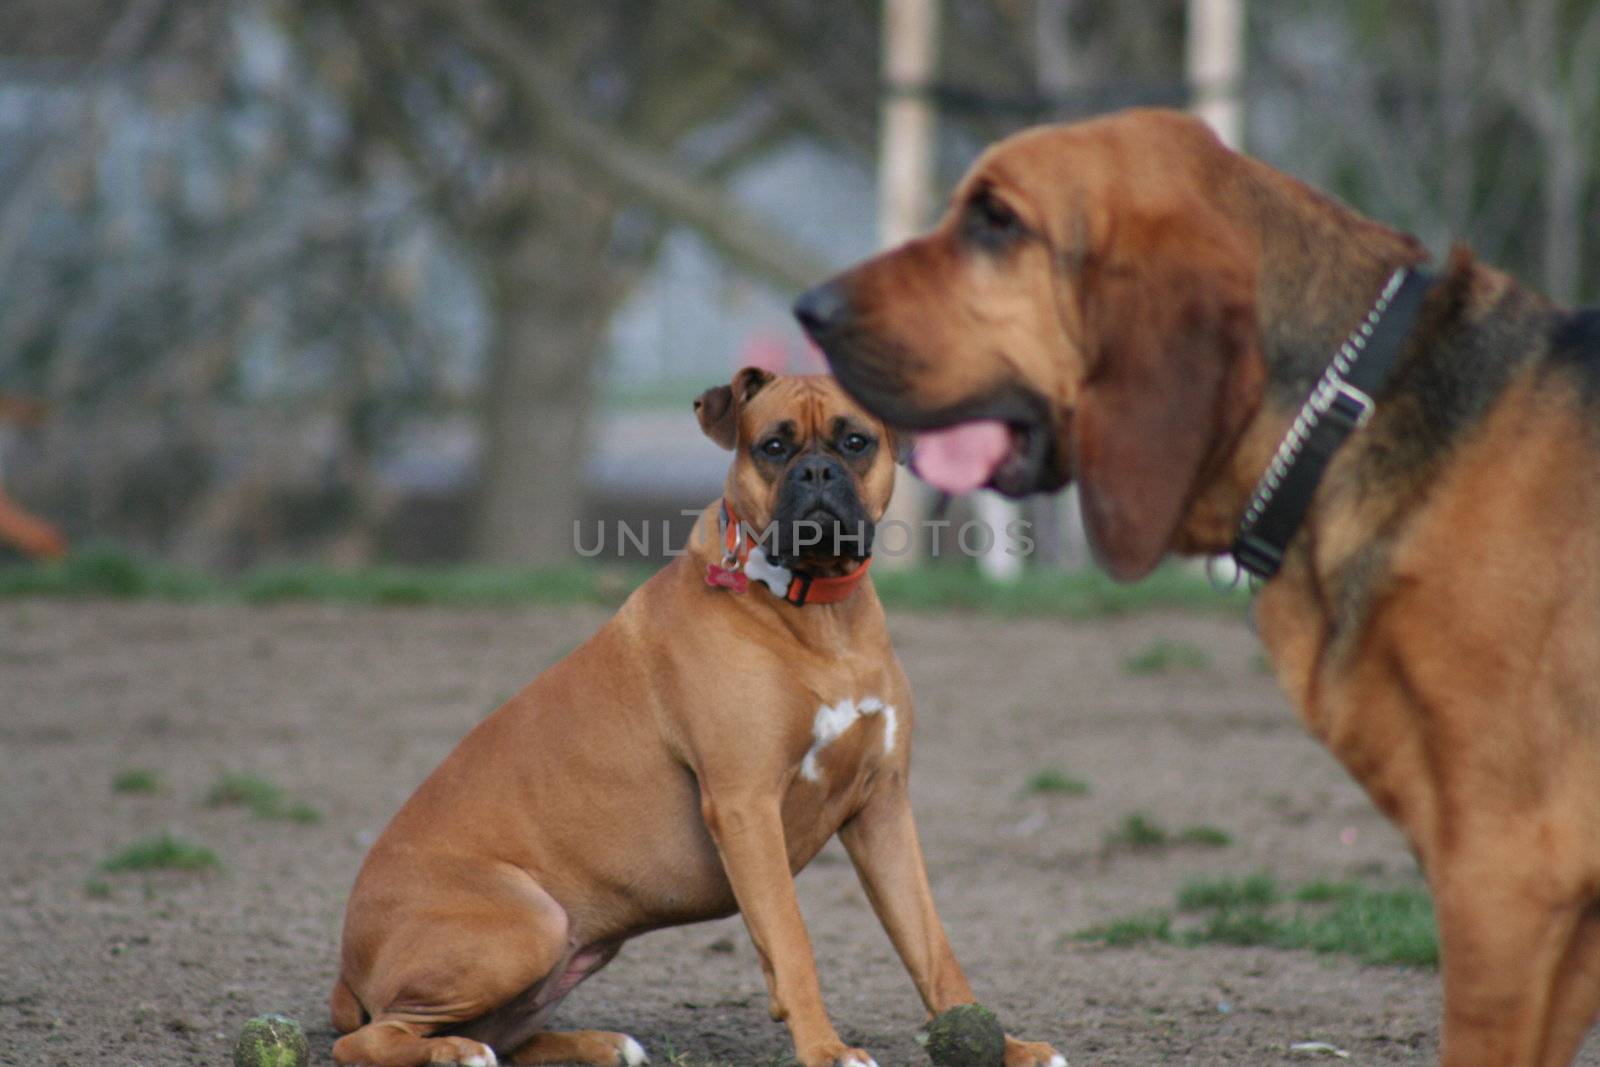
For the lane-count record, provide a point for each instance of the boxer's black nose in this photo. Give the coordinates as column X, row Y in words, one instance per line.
column 816, row 471
column 823, row 310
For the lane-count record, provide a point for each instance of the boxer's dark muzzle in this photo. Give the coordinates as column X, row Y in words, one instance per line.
column 819, row 514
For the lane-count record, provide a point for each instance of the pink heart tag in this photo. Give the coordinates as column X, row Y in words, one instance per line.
column 726, row 578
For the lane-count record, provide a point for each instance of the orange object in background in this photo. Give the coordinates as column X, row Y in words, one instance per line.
column 22, row 530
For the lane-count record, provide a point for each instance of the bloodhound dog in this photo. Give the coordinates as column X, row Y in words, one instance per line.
column 1128, row 304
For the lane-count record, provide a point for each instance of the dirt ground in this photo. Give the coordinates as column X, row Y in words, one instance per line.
column 349, row 708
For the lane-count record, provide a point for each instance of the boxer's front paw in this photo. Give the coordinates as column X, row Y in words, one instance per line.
column 835, row 1054
column 1032, row 1054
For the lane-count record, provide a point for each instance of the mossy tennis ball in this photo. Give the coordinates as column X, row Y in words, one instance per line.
column 968, row 1035
column 271, row 1041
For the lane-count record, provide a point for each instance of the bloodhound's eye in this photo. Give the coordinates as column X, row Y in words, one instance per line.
column 855, row 443
column 990, row 221
column 776, row 447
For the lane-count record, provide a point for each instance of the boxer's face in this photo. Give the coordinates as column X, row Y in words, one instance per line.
column 812, row 471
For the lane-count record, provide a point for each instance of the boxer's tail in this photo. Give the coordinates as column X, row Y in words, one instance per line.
column 345, row 1008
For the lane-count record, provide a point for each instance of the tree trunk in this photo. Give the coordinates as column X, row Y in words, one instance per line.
column 1459, row 66
column 1563, row 216
column 552, row 296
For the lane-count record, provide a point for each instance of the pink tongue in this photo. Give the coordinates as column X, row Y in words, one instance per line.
column 961, row 458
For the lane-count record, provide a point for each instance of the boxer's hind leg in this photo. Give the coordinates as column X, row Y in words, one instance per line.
column 602, row 1048
column 598, row 1047
column 392, row 1043
column 487, row 942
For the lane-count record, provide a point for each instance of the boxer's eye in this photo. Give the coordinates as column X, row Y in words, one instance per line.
column 855, row 442
column 775, row 447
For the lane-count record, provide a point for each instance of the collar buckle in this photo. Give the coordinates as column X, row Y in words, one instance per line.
column 1344, row 403
column 1257, row 556
column 732, row 556
column 1340, row 404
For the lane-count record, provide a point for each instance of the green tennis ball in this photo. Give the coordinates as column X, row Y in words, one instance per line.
column 271, row 1041
column 967, row 1035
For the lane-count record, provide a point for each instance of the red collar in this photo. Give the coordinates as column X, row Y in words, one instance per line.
column 743, row 559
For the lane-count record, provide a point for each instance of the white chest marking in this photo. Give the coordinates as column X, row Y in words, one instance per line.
column 833, row 720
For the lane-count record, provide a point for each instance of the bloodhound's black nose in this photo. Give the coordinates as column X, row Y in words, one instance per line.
column 823, row 310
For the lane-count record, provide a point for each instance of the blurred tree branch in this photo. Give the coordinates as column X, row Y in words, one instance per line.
column 1548, row 70
column 324, row 215
column 653, row 179
column 129, row 36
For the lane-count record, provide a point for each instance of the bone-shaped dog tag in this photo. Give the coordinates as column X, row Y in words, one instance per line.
column 727, row 578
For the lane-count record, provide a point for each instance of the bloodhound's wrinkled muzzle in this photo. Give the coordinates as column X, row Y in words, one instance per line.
column 880, row 377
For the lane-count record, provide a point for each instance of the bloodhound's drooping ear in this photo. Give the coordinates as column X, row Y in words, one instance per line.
column 718, row 408
column 899, row 443
column 1173, row 375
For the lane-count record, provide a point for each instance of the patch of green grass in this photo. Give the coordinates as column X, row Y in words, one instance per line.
column 96, row 888
column 138, row 780
column 302, row 813
column 111, row 572
column 1047, row 592
column 1138, row 831
column 1055, row 781
column 1252, row 891
column 164, row 852
column 1130, row 930
column 1375, row 925
column 1079, row 594
column 102, row 571
column 245, row 791
column 99, row 571
column 1384, row 926
column 1205, row 835
column 1241, row 926
column 673, row 1058
column 1165, row 656
column 264, row 799
column 455, row 584
column 1321, row 891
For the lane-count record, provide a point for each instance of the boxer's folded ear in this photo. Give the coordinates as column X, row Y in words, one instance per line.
column 718, row 420
column 718, row 408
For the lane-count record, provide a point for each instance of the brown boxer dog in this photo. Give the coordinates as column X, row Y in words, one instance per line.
column 742, row 707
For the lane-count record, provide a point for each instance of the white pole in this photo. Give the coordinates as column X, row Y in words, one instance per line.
column 905, row 183
column 905, row 150
column 1215, row 62
column 1214, row 58
column 1053, row 73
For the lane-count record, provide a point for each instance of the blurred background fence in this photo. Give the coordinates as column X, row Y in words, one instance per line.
column 356, row 280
